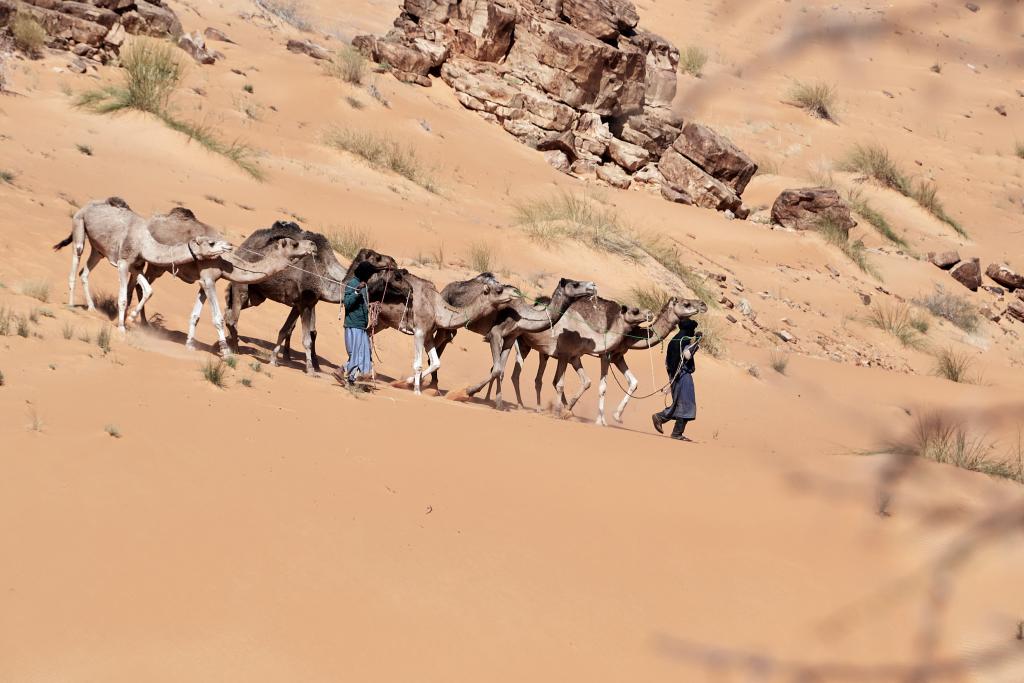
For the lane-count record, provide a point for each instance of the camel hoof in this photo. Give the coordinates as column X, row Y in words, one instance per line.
column 90, row 307
column 618, row 417
column 310, row 372
column 190, row 346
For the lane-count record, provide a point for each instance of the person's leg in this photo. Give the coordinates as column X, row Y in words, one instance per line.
column 363, row 359
column 677, row 431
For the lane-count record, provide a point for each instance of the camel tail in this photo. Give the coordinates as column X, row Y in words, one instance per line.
column 64, row 242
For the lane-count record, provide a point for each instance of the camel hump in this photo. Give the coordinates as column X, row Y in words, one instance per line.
column 182, row 213
column 118, row 202
column 285, row 227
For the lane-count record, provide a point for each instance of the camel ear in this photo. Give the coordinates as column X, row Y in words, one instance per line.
column 487, row 289
column 624, row 309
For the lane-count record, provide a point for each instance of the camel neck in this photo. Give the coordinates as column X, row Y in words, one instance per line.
column 660, row 329
column 164, row 254
column 252, row 272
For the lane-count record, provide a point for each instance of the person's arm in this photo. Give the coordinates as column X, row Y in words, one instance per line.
column 352, row 294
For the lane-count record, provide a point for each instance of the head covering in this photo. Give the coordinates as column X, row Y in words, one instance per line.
column 364, row 271
column 688, row 326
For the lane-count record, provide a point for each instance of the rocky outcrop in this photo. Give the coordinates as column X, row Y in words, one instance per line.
column 1015, row 309
column 308, row 47
column 968, row 273
column 807, row 208
column 575, row 79
column 195, row 45
column 944, row 259
column 1006, row 276
column 95, row 29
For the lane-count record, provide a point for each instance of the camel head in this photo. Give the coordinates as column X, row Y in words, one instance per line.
column 634, row 315
column 577, row 289
column 499, row 294
column 375, row 259
column 677, row 309
column 294, row 249
column 391, row 282
column 208, row 247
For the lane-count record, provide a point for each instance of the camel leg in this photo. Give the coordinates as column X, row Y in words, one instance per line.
column 124, row 277
column 307, row 340
column 147, row 292
column 197, row 309
column 602, row 389
column 517, row 370
column 152, row 274
column 312, row 340
column 417, row 359
column 94, row 258
column 538, row 381
column 234, row 302
column 620, row 363
column 559, row 383
column 497, row 367
column 584, row 383
column 285, row 333
column 442, row 338
column 76, row 254
column 218, row 316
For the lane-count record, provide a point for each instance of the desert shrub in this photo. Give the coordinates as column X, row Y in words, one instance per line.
column 898, row 320
column 1018, row 149
column 667, row 255
column 7, row 176
column 381, row 151
column 84, row 149
column 256, row 366
column 231, row 362
column 37, row 289
column 348, row 65
column 818, row 99
column 713, row 340
column 29, row 36
column 291, row 12
column 355, row 103
column 68, row 330
column 692, row 60
column 955, row 309
column 875, row 218
column 241, row 154
column 946, row 440
column 21, row 326
column 953, row 365
column 651, row 298
column 835, row 235
column 103, row 340
column 245, row 382
column 577, row 217
column 6, row 318
column 214, row 373
column 348, row 240
column 481, row 257
column 927, row 195
column 779, row 361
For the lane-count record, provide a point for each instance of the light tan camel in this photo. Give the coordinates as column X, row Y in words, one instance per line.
column 180, row 224
column 675, row 310
column 502, row 328
column 424, row 311
column 121, row 235
column 590, row 327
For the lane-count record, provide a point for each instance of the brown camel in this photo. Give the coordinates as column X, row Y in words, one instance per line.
column 672, row 313
column 425, row 311
column 123, row 237
column 590, row 327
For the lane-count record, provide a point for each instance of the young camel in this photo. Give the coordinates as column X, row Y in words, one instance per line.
column 181, row 223
column 425, row 311
column 502, row 328
column 314, row 278
column 122, row 236
column 672, row 313
column 590, row 327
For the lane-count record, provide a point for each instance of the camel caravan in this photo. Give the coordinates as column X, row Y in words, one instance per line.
column 298, row 268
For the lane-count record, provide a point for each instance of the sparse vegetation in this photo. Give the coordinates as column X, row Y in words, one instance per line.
column 3, row 380
column 248, row 88
column 348, row 65
column 955, row 309
column 68, row 330
column 376, row 94
column 291, row 12
column 666, row 254
column 692, row 60
column 713, row 341
column 382, row 152
column 103, row 340
column 256, row 366
column 1018, row 149
column 945, row 440
column 354, row 103
column 651, row 298
column 779, row 361
column 7, row 176
column 875, row 218
column 153, row 72
column 953, row 365
column 818, row 99
column 899, row 321
column 37, row 289
column 873, row 161
column 22, row 327
column 6, row 316
column 231, row 362
column 348, row 240
column 245, row 382
column 835, row 235
column 85, row 337
column 481, row 257
column 113, row 431
column 577, row 217
column 33, row 316
column 213, row 372
column 84, row 149
column 29, row 36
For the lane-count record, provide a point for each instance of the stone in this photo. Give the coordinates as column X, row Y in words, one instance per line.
column 603, row 19
column 592, row 136
column 650, row 175
column 83, row 10
column 806, row 208
column 972, row 7
column 627, row 155
column 77, row 66
column 968, row 273
column 488, row 31
column 786, row 336
column 716, row 155
column 683, row 176
column 151, row 19
column 66, row 27
column 308, row 47
column 614, row 176
column 195, row 46
column 81, row 49
column 544, row 112
column 212, row 33
column 438, row 10
column 1006, row 276
column 989, row 313
column 1015, row 309
column 944, row 259
column 558, row 159
column 662, row 62
column 653, row 132
column 584, row 167
column 1000, row 109
column 674, row 195
column 115, row 36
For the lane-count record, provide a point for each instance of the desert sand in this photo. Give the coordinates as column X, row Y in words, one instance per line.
column 293, row 530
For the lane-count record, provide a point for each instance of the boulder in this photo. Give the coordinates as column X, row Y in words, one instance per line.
column 437, row 10
column 194, row 45
column 592, row 136
column 627, row 155
column 649, row 174
column 487, row 32
column 77, row 65
column 603, row 19
column 677, row 196
column 614, row 176
column 1006, row 276
column 687, row 179
column 968, row 273
column 558, row 159
column 716, row 155
column 1015, row 309
column 805, row 208
column 151, row 19
column 83, row 10
column 944, row 259
column 308, row 47
column 650, row 129
column 543, row 111
column 662, row 63
column 212, row 33
column 67, row 28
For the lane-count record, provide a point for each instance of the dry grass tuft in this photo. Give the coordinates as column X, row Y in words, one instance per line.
column 68, row 330
column 348, row 65
column 875, row 218
column 383, row 152
column 481, row 257
column 651, row 298
column 779, row 361
column 945, row 440
column 29, row 36
column 713, row 340
column 818, row 99
column 581, row 218
column 214, row 373
column 103, row 340
column 855, row 251
column 898, row 320
column 692, row 60
column 955, row 309
column 667, row 255
column 291, row 12
column 37, row 289
column 349, row 240
column 953, row 365
column 21, row 326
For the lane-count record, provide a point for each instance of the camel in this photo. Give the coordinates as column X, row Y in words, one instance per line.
column 590, row 327
column 122, row 236
column 501, row 329
column 313, row 279
column 425, row 311
column 180, row 224
column 674, row 311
